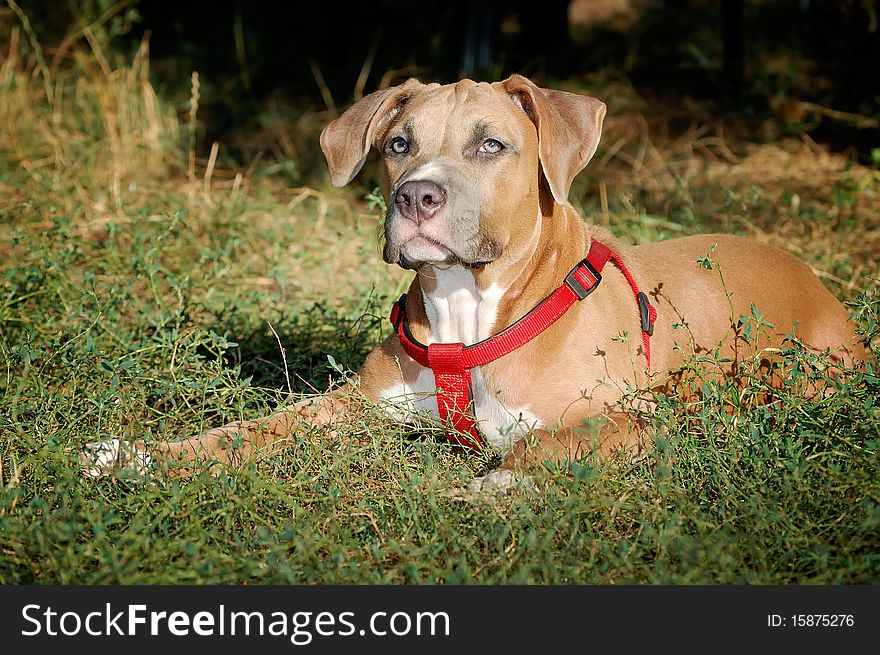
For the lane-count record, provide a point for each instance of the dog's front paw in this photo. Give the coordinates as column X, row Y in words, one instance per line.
column 102, row 458
column 501, row 481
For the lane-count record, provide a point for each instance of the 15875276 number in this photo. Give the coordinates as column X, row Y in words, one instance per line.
column 822, row 620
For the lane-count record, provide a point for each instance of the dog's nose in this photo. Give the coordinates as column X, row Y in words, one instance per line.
column 419, row 200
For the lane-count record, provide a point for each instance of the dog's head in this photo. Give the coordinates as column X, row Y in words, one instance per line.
column 465, row 164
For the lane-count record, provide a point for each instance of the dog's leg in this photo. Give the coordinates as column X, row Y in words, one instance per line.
column 612, row 433
column 230, row 444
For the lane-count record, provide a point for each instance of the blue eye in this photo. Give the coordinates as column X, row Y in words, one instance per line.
column 491, row 146
column 398, row 146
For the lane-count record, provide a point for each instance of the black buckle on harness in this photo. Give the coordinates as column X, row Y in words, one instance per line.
column 645, row 313
column 575, row 285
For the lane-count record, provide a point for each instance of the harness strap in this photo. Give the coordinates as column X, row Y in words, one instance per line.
column 454, row 396
column 451, row 362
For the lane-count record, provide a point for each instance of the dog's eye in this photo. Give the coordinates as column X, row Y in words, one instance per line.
column 398, row 146
column 491, row 146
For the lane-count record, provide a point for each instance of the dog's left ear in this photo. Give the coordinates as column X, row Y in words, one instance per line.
column 569, row 126
column 346, row 141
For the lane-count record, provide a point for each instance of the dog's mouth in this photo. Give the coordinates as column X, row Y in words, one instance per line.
column 422, row 249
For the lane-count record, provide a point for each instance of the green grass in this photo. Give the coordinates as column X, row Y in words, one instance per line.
column 137, row 289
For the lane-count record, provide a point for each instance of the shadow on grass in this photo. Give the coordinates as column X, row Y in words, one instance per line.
column 320, row 345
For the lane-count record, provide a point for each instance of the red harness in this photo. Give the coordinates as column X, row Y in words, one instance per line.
column 452, row 362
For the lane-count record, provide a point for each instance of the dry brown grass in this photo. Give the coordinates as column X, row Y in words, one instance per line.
column 52, row 139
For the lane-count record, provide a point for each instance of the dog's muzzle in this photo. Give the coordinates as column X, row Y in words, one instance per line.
column 428, row 223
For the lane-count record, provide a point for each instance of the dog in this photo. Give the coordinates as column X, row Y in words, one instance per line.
column 523, row 322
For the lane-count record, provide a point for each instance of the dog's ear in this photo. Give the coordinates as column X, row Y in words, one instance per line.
column 346, row 141
column 569, row 126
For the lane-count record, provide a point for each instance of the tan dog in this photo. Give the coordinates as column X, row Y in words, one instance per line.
column 476, row 178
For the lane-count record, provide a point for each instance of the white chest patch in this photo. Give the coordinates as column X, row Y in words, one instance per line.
column 460, row 312
column 457, row 310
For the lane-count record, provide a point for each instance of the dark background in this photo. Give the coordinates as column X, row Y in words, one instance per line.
column 715, row 52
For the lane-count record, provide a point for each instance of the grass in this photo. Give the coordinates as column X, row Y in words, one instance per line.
column 142, row 284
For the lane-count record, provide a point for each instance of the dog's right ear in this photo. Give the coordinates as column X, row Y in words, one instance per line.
column 346, row 141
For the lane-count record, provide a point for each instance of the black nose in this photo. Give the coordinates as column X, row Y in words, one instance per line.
column 419, row 200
